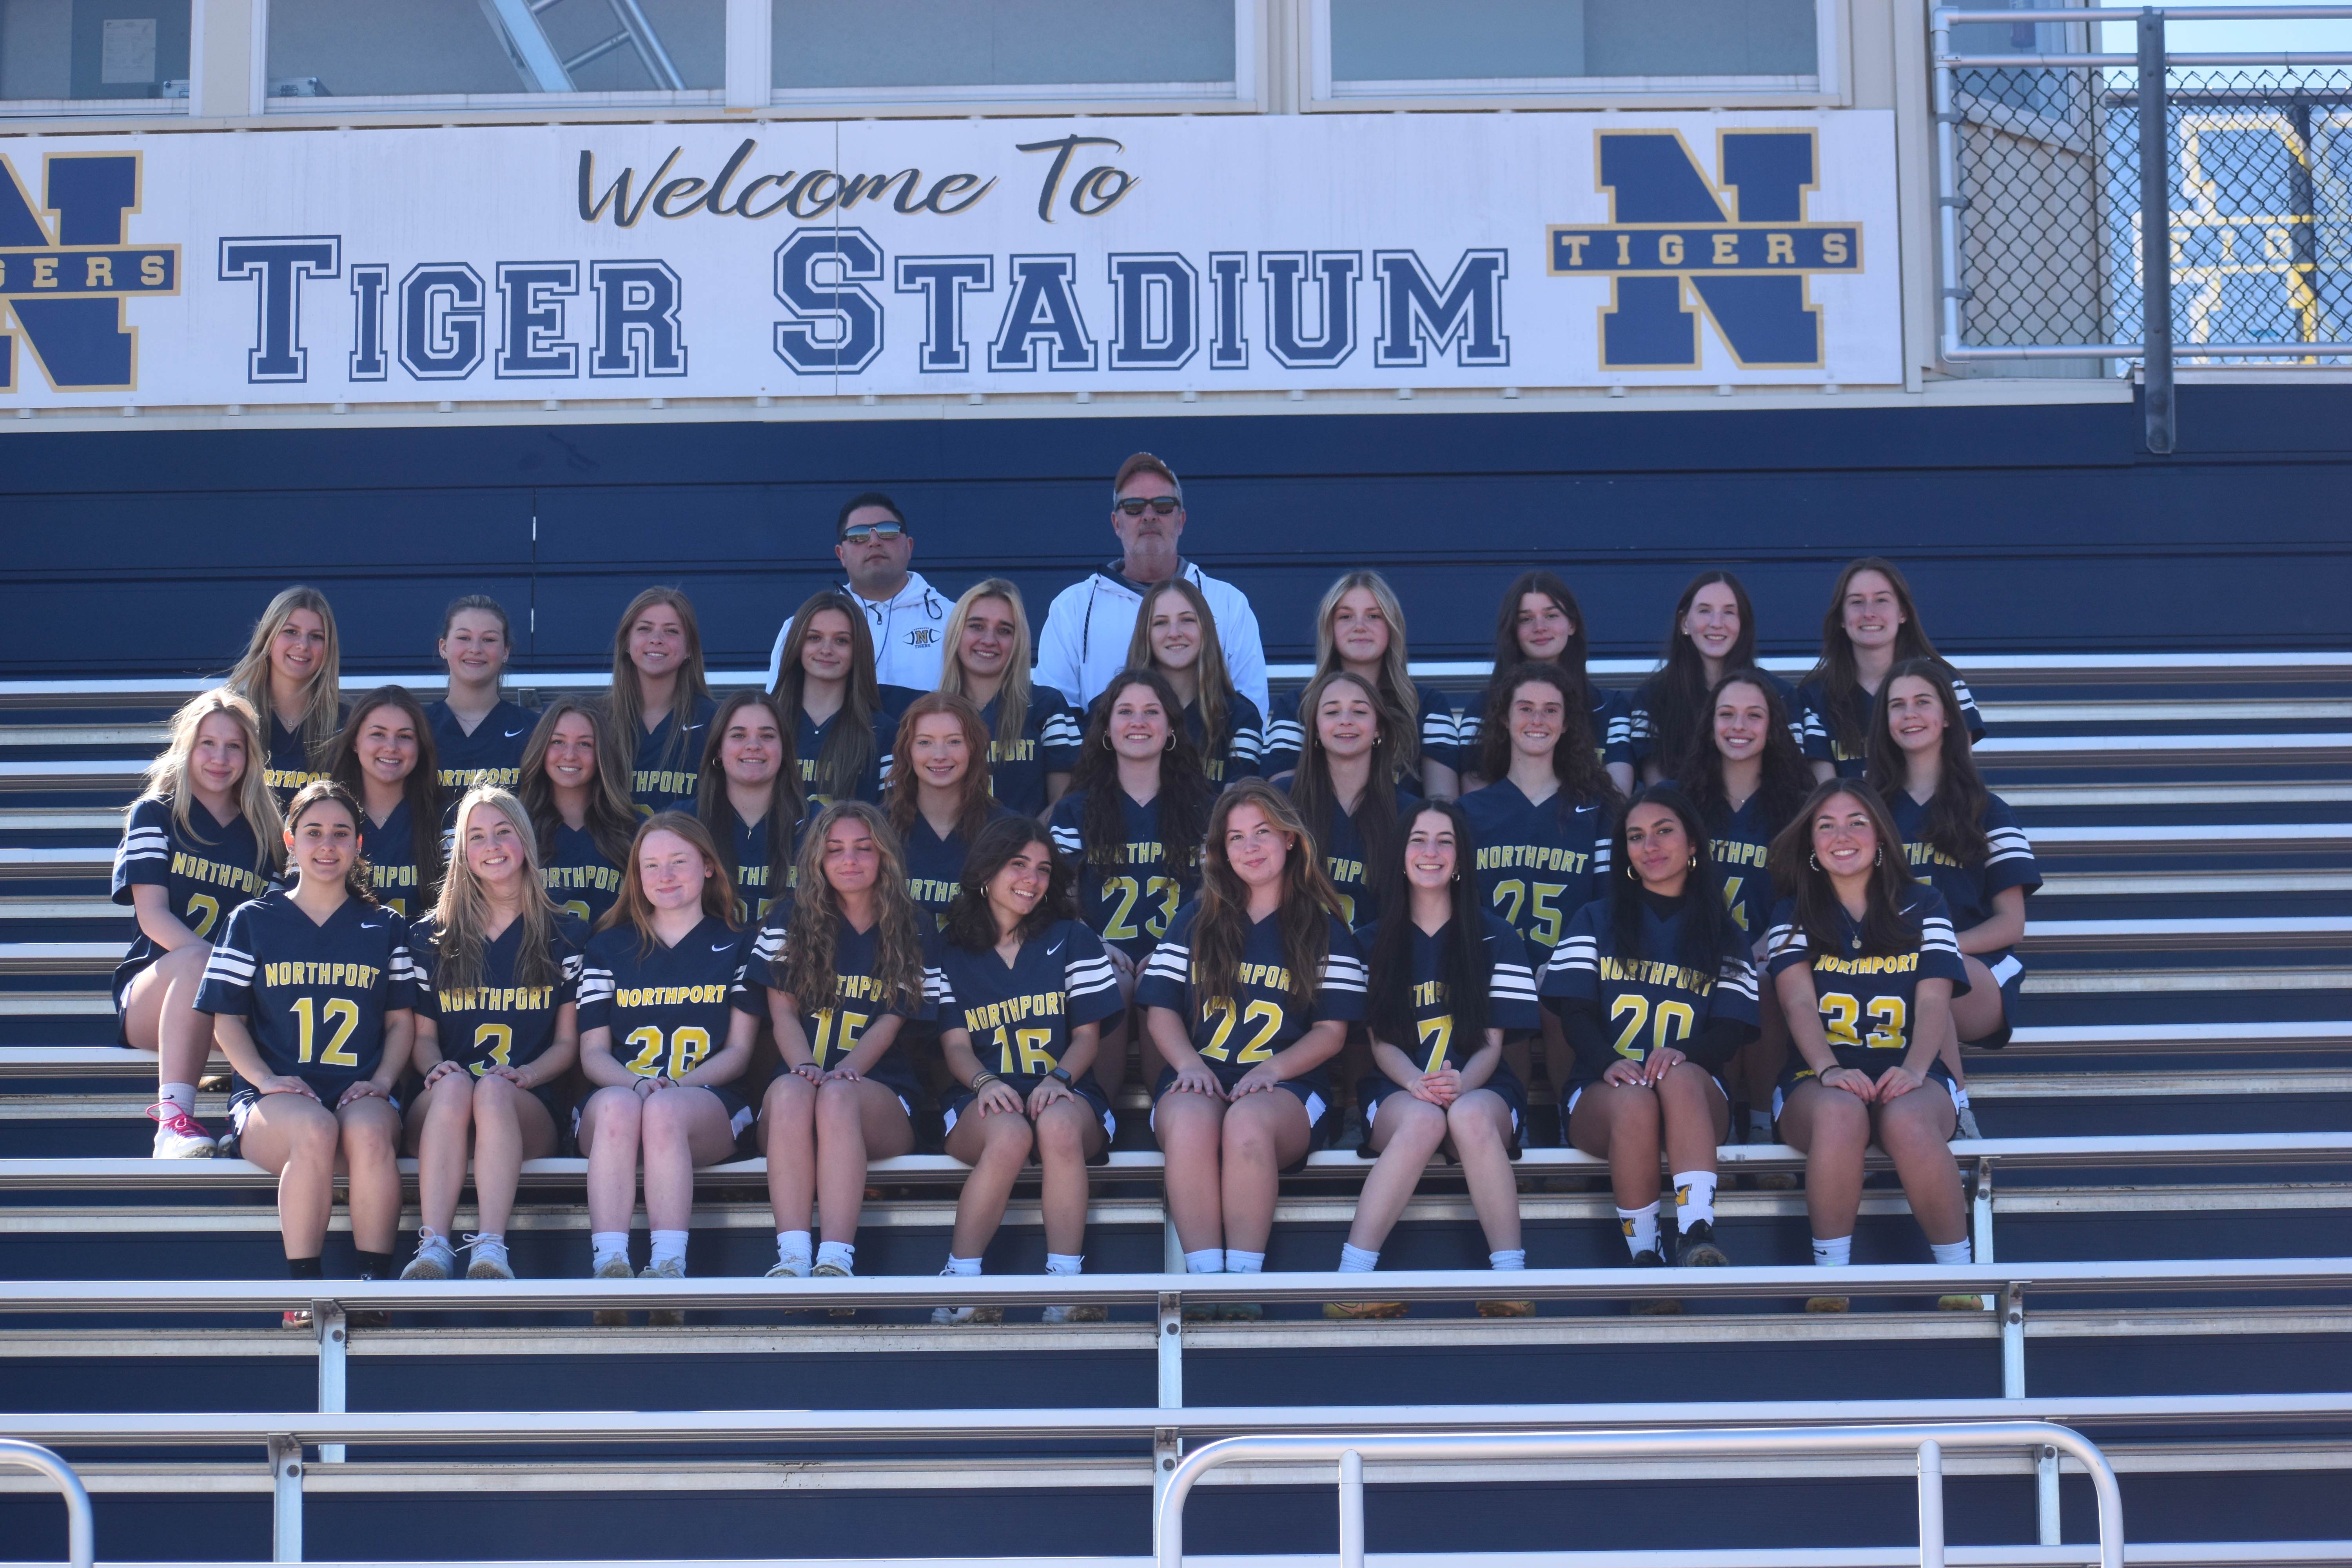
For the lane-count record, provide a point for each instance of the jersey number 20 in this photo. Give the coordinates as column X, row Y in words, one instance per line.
column 1670, row 1023
column 683, row 1050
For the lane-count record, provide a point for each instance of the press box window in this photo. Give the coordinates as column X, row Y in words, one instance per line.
column 486, row 53
column 1010, row 50
column 83, row 57
column 1412, row 48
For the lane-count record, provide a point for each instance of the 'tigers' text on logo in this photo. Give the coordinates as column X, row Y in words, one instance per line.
column 66, row 270
column 1741, row 248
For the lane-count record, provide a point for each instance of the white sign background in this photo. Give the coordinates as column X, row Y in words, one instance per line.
column 1441, row 187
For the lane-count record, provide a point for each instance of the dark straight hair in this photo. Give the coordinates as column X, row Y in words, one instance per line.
column 1953, row 821
column 1679, row 709
column 1707, row 923
column 971, row 924
column 1783, row 778
column 1795, row 870
column 1462, row 966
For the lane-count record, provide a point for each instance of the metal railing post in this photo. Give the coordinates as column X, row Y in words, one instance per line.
column 284, row 1498
column 81, row 1533
column 333, row 1330
column 1351, row 1510
column 1931, row 1504
column 1980, row 1220
column 2155, row 236
column 2046, row 1515
column 1167, row 1444
column 2012, row 1341
column 1947, row 187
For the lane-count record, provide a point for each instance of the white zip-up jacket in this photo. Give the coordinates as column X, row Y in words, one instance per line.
column 1083, row 646
column 910, row 634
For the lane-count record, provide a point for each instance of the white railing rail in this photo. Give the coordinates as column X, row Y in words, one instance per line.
column 81, row 1536
column 1349, row 1451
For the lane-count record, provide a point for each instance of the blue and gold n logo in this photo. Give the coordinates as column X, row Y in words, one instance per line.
column 65, row 279
column 1743, row 246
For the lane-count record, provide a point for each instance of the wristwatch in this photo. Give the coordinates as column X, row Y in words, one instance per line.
column 1063, row 1074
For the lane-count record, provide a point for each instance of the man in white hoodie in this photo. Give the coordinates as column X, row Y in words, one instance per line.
column 907, row 618
column 1084, row 644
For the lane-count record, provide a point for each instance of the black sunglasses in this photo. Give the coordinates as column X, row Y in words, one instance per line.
column 859, row 533
column 1133, row 505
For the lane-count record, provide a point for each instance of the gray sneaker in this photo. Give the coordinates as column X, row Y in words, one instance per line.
column 665, row 1317
column 1965, row 1124
column 790, row 1269
column 489, row 1259
column 434, row 1260
column 613, row 1268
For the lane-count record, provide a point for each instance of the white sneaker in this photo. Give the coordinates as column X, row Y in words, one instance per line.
column 178, row 1135
column 947, row 1315
column 1078, row 1312
column 665, row 1317
column 790, row 1269
column 613, row 1268
column 434, row 1260
column 490, row 1258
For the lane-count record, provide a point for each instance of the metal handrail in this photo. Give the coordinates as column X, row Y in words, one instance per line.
column 81, row 1535
column 1351, row 1450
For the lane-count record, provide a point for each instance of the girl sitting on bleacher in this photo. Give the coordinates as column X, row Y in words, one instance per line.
column 1655, row 991
column 498, row 968
column 659, row 705
column 1248, row 995
column 826, row 687
column 1713, row 634
column 749, row 797
column 1961, row 840
column 575, row 785
column 939, row 797
column 1864, row 962
column 1539, row 622
column 477, row 734
column 291, row 675
column 311, row 991
column 1032, row 732
column 1448, row 979
column 1870, row 625
column 384, row 759
column 1360, row 629
column 1176, row 637
column 1022, row 989
column 203, row 837
column 666, row 1022
column 842, row 959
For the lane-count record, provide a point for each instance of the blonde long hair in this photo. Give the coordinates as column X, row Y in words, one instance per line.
column 167, row 775
column 1216, row 685
column 1013, row 696
column 461, row 917
column 1396, row 692
column 627, row 701
column 322, row 705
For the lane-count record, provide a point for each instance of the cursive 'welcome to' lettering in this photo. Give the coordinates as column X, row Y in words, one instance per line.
column 802, row 195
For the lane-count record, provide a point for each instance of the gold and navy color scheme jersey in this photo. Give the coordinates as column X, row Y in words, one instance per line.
column 1511, row 1005
column 1128, row 905
column 834, row 1030
column 578, row 876
column 1869, row 1000
column 758, row 883
column 497, row 1024
column 1345, row 856
column 1240, row 756
column 1537, row 864
column 1020, row 1015
column 1050, row 733
column 314, row 996
column 290, row 763
column 1441, row 738
column 665, row 775
column 809, row 741
column 1234, row 1034
column 492, row 754
column 205, row 870
column 1653, row 999
column 1741, row 843
column 935, row 866
column 1968, row 892
column 1821, row 743
column 668, row 1008
column 1611, row 721
column 390, row 850
column 1642, row 721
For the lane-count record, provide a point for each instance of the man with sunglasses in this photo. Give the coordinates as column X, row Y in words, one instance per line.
column 908, row 618
column 1084, row 643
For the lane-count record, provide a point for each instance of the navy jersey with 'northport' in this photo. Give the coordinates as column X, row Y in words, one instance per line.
column 1968, row 892
column 1821, row 743
column 1440, row 739
column 1344, row 855
column 498, row 1022
column 670, row 1008
column 492, row 754
column 1649, row 1001
column 1234, row 1034
column 1049, row 740
column 1128, row 905
column 665, row 776
column 578, row 876
column 1240, row 756
column 1020, row 1015
column 290, row 763
column 205, row 870
column 1741, row 843
column 315, row 998
column 808, row 736
column 935, row 866
column 1537, row 864
column 1511, row 1005
column 1643, row 721
column 390, row 851
column 834, row 1030
column 1868, row 1001
column 757, row 882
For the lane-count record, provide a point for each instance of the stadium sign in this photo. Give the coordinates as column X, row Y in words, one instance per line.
column 894, row 258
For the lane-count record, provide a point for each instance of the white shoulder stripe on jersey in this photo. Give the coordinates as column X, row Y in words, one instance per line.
column 1066, row 839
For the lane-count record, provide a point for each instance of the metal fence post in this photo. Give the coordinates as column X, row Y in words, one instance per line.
column 81, row 1535
column 1351, row 1510
column 1931, row 1504
column 286, row 1499
column 2155, row 236
column 334, row 1345
column 2046, row 1512
column 2012, row 1341
column 1167, row 1444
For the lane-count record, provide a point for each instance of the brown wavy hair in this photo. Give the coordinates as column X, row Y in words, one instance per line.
column 611, row 817
column 1216, row 683
column 972, row 810
column 1783, row 778
column 1185, row 795
column 1309, row 902
column 1795, row 871
column 971, row 924
column 1574, row 761
column 1833, row 674
column 816, row 924
column 421, row 790
column 633, row 908
column 786, row 805
column 1953, row 821
column 1311, row 785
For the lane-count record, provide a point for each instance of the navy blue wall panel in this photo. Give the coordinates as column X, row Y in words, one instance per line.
column 2023, row 527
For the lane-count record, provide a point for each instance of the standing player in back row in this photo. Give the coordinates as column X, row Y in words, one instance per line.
column 477, row 735
column 1361, row 629
column 1713, row 634
column 1539, row 622
column 1176, row 637
column 1033, row 732
column 291, row 675
column 1870, row 625
column 660, row 704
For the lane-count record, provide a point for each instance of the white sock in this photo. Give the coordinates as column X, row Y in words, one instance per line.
column 1950, row 1252
column 1641, row 1227
column 1960, row 1096
column 1515, row 1258
column 1356, row 1259
column 1243, row 1262
column 606, row 1245
column 183, row 1095
column 841, row 1254
column 962, row 1267
column 1066, row 1262
column 1694, row 1198
column 1208, row 1260
column 1834, row 1253
column 669, row 1246
column 1760, row 1127
column 792, row 1246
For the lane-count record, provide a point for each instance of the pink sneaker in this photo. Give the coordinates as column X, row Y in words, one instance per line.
column 178, row 1135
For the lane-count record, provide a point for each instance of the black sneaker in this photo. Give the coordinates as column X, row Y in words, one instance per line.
column 1653, row 1306
column 1697, row 1248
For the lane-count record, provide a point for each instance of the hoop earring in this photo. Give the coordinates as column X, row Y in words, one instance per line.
column 1693, row 860
column 1631, row 874
column 1878, row 856
column 1171, row 742
column 1815, row 861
